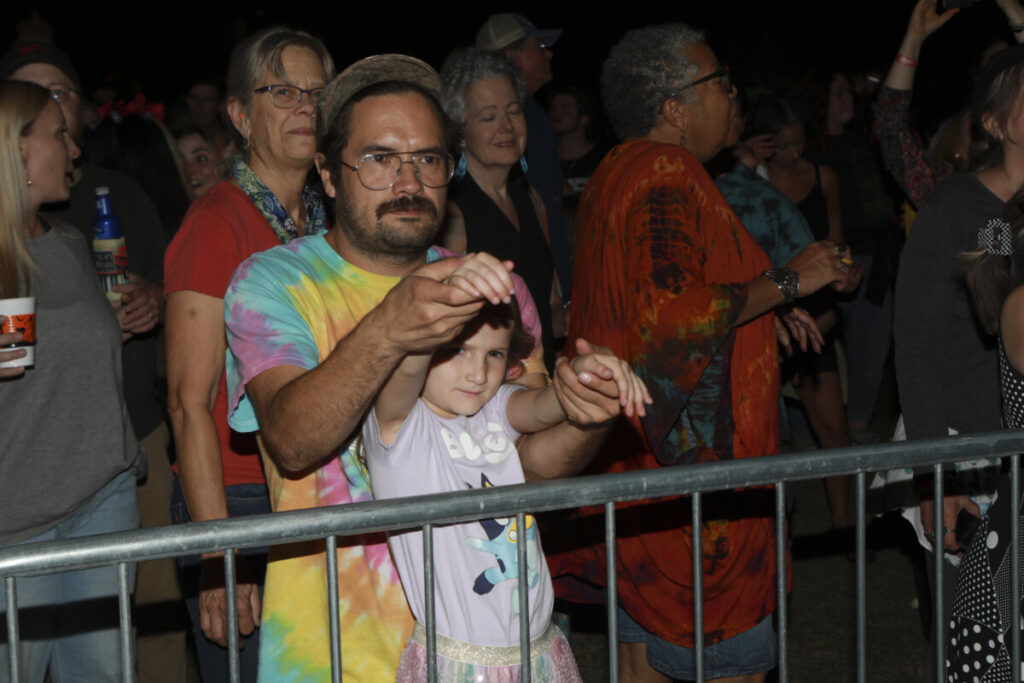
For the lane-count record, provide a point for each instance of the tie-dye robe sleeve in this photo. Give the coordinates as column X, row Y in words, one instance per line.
column 661, row 276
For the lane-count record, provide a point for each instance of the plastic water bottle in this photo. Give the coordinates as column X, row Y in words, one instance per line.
column 108, row 248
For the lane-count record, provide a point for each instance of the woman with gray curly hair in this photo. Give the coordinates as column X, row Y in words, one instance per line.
column 491, row 208
column 667, row 276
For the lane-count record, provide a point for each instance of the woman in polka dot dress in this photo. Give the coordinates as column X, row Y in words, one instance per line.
column 979, row 646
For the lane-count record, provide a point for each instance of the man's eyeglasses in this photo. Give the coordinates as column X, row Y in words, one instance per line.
column 380, row 170
column 285, row 96
column 721, row 72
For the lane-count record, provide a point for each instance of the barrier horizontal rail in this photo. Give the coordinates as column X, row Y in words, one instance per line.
column 506, row 501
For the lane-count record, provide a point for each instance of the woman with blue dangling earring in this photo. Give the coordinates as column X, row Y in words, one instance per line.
column 491, row 207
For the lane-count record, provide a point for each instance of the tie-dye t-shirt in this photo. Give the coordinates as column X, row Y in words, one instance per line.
column 291, row 305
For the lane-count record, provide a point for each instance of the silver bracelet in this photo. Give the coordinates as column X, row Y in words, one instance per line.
column 787, row 280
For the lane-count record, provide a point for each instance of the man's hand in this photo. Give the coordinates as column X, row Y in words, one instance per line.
column 586, row 388
column 422, row 312
column 213, row 609
column 141, row 304
column 633, row 394
column 952, row 505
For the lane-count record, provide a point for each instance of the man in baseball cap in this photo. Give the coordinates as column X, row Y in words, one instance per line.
column 374, row 291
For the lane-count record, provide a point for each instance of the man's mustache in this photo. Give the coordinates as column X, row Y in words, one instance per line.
column 405, row 203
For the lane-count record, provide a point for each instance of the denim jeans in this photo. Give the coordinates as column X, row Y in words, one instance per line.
column 867, row 330
column 69, row 622
column 243, row 500
column 753, row 651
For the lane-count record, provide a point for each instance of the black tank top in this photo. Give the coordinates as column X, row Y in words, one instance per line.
column 815, row 209
column 489, row 229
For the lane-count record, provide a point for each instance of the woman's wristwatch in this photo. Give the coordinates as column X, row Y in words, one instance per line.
column 787, row 280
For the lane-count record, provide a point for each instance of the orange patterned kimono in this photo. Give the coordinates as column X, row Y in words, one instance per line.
column 661, row 260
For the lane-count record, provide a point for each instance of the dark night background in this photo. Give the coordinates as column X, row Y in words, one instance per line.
column 157, row 48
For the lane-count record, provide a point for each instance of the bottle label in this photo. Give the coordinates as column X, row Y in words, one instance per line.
column 111, row 259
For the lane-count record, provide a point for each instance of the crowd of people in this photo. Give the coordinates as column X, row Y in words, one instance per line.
column 393, row 280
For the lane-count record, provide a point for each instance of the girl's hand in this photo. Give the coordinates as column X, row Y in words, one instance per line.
column 483, row 276
column 7, row 339
column 633, row 394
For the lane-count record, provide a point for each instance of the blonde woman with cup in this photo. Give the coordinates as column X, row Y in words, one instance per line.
column 69, row 457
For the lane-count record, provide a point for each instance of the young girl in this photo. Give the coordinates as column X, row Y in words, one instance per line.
column 450, row 423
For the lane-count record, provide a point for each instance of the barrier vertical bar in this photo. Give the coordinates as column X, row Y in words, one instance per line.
column 332, row 607
column 1012, row 509
column 613, row 602
column 428, row 598
column 522, row 541
column 230, row 597
column 124, row 603
column 13, row 640
column 939, row 609
column 698, row 586
column 780, row 578
column 862, row 592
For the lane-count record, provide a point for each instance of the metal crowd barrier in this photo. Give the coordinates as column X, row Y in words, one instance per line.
column 427, row 512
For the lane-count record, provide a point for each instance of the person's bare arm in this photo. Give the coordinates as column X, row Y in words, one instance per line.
column 817, row 265
column 1014, row 12
column 399, row 394
column 418, row 315
column 924, row 20
column 195, row 364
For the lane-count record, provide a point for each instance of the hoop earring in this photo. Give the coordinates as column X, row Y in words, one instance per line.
column 522, row 163
column 461, row 167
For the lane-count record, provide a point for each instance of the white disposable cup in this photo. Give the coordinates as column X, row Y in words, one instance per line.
column 19, row 316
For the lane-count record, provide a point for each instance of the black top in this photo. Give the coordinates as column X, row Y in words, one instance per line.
column 489, row 229
column 145, row 242
column 946, row 367
column 867, row 209
column 578, row 171
column 815, row 209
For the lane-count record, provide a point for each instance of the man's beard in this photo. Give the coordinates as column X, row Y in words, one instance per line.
column 401, row 243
